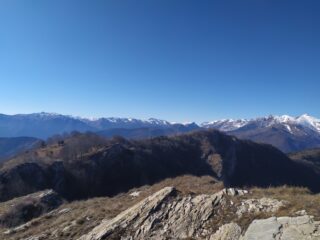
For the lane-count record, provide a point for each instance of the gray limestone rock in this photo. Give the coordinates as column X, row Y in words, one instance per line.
column 164, row 215
column 230, row 231
column 283, row 228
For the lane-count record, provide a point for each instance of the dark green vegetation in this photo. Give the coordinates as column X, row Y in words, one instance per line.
column 86, row 165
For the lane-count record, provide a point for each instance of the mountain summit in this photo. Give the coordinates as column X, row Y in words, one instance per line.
column 304, row 120
column 287, row 133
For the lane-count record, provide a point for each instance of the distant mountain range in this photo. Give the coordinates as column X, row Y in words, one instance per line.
column 229, row 124
column 44, row 125
column 287, row 133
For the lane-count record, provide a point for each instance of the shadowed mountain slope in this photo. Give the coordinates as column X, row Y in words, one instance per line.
column 310, row 156
column 86, row 165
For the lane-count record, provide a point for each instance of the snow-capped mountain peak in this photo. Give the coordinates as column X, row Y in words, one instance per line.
column 158, row 121
column 284, row 118
column 225, row 124
column 42, row 116
column 287, row 121
column 309, row 121
column 304, row 120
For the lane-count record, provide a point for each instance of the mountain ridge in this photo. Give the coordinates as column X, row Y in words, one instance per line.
column 304, row 119
column 85, row 165
column 285, row 132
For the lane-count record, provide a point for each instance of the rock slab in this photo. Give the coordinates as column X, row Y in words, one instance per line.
column 164, row 215
column 283, row 228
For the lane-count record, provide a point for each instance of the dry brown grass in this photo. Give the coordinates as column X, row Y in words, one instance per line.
column 85, row 215
column 298, row 198
column 5, row 206
column 40, row 155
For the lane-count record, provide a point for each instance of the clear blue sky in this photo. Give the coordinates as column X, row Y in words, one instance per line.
column 178, row 60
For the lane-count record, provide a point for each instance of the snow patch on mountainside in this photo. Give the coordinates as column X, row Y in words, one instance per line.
column 309, row 121
column 287, row 121
column 225, row 124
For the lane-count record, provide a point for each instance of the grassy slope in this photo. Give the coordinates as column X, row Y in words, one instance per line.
column 86, row 214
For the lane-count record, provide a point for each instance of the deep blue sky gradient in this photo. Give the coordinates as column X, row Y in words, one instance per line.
column 178, row 60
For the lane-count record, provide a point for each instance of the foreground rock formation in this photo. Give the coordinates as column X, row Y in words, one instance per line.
column 198, row 211
column 21, row 210
column 163, row 215
column 166, row 215
column 283, row 228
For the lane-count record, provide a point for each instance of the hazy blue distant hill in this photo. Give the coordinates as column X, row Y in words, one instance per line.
column 148, row 132
column 44, row 125
column 12, row 146
column 39, row 125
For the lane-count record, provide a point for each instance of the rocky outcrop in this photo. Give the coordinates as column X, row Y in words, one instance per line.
column 230, row 231
column 23, row 209
column 283, row 228
column 26, row 226
column 168, row 215
column 139, row 212
column 164, row 215
column 259, row 205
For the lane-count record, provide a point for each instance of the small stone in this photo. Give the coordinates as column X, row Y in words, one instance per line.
column 259, row 205
column 301, row 212
column 65, row 210
column 230, row 231
column 135, row 194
